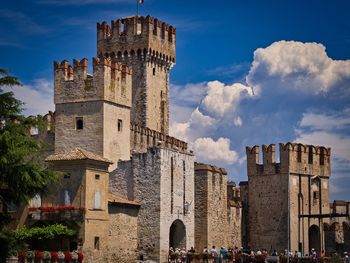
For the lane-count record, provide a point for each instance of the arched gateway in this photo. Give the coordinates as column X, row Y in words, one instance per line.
column 177, row 234
column 314, row 238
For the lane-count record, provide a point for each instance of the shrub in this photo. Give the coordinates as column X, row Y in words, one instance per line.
column 68, row 256
column 80, row 257
column 47, row 255
column 7, row 245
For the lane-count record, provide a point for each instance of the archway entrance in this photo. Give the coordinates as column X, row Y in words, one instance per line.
column 314, row 239
column 177, row 234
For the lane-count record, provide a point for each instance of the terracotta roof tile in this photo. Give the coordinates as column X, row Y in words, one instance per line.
column 76, row 154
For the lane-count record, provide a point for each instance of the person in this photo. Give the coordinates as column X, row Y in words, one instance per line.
column 274, row 253
column 323, row 253
column 313, row 255
column 223, row 253
column 183, row 255
column 214, row 254
column 346, row 257
column 192, row 250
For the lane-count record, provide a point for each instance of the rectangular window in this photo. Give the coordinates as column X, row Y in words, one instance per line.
column 97, row 243
column 120, row 125
column 66, row 197
column 97, row 200
column 79, row 123
column 97, row 176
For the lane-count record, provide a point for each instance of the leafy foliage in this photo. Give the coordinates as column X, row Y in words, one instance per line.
column 22, row 170
column 47, row 232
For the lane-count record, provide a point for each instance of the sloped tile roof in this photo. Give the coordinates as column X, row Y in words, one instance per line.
column 76, row 154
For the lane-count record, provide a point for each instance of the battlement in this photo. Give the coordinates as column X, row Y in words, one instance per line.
column 143, row 138
column 294, row 158
column 209, row 167
column 110, row 81
column 137, row 38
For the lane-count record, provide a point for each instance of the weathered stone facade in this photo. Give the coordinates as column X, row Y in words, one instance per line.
column 290, row 198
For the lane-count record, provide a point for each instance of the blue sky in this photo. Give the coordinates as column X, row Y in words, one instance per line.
column 294, row 55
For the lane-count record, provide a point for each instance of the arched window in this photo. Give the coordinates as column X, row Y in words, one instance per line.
column 79, row 124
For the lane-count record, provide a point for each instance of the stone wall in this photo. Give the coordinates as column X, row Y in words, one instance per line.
column 212, row 192
column 301, row 182
column 234, row 215
column 122, row 236
column 244, row 192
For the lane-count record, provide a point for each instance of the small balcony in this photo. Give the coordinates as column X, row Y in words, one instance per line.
column 56, row 213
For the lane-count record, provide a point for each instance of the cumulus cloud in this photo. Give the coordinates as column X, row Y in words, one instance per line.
column 296, row 65
column 37, row 96
column 207, row 149
column 326, row 122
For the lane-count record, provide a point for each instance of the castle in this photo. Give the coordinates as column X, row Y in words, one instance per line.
column 138, row 191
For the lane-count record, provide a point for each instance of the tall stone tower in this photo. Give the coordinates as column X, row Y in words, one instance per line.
column 93, row 112
column 147, row 46
column 296, row 188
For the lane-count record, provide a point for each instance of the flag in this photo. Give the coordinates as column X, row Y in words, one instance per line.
column 141, row 1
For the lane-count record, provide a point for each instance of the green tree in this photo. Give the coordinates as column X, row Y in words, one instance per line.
column 22, row 170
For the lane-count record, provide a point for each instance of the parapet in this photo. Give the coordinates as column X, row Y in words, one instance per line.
column 140, row 36
column 209, row 167
column 294, row 158
column 142, row 138
column 110, row 81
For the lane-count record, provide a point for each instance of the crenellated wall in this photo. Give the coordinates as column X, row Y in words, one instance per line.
column 143, row 138
column 296, row 188
column 147, row 45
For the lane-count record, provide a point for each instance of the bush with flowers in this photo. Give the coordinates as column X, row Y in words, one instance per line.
column 80, row 257
column 30, row 255
column 68, row 256
column 47, row 255
column 39, row 255
column 54, row 256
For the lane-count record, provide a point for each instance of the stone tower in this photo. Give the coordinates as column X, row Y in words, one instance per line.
column 147, row 46
column 297, row 187
column 93, row 112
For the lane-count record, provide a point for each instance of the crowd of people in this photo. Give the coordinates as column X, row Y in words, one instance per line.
column 241, row 255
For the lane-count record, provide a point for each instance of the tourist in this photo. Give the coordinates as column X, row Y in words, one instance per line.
column 223, row 254
column 183, row 255
column 346, row 257
column 274, row 253
column 214, row 254
column 323, row 253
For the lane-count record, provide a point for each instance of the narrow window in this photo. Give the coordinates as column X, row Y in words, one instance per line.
column 172, row 184
column 97, row 176
column 184, row 187
column 97, row 243
column 66, row 176
column 66, row 197
column 154, row 71
column 120, row 125
column 299, row 153
column 322, row 156
column 97, row 200
column 311, row 155
column 79, row 124
column 36, row 201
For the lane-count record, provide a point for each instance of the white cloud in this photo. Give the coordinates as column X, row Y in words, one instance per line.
column 237, row 121
column 207, row 149
column 302, row 66
column 37, row 96
column 325, row 122
column 222, row 99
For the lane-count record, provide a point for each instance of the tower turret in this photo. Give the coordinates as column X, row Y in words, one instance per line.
column 147, row 45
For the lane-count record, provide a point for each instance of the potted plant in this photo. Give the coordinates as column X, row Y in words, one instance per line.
column 47, row 256
column 60, row 256
column 67, row 256
column 54, row 256
column 39, row 256
column 22, row 256
column 80, row 257
column 30, row 256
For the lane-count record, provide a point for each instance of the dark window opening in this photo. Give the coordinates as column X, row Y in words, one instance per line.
column 97, row 243
column 120, row 125
column 79, row 124
column 97, row 176
column 322, row 157
column 299, row 153
column 172, row 184
column 66, row 176
column 311, row 155
column 154, row 71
